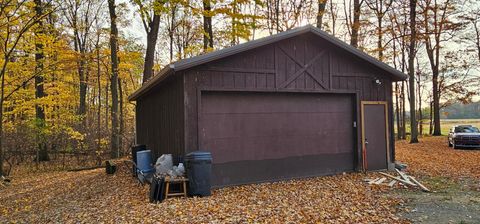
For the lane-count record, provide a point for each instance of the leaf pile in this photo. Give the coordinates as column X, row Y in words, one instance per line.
column 433, row 157
column 92, row 196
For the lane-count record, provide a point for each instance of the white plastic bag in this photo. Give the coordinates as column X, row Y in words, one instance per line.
column 164, row 164
column 180, row 169
column 177, row 170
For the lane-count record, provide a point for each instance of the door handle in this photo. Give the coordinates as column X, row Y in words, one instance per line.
column 366, row 142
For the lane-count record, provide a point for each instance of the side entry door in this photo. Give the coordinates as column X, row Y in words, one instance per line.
column 375, row 135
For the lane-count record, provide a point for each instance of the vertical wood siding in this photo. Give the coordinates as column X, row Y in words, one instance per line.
column 160, row 119
column 303, row 63
column 167, row 117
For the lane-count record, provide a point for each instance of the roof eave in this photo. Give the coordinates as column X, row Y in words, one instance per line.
column 201, row 59
column 396, row 75
column 162, row 75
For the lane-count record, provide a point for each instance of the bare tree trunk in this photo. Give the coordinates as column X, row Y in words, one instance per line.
column 2, row 94
column 397, row 111
column 420, row 112
column 114, row 140
column 207, row 25
column 81, row 63
column 403, row 97
column 431, row 119
column 254, row 20
column 420, row 120
column 99, row 96
column 396, row 91
column 411, row 72
column 277, row 15
column 152, row 35
column 321, row 12
column 436, row 104
column 234, row 31
column 107, row 86
column 433, row 52
column 334, row 17
column 121, row 118
column 404, row 120
column 82, row 110
column 172, row 30
column 356, row 22
column 477, row 37
column 380, row 38
column 42, row 153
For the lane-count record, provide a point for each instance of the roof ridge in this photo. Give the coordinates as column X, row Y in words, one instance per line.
column 228, row 51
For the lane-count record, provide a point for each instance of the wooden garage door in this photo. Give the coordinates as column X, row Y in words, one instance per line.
column 269, row 136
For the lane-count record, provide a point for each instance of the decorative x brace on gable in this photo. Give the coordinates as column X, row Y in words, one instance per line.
column 304, row 68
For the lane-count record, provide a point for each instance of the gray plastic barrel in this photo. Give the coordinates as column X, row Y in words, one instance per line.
column 199, row 171
column 144, row 161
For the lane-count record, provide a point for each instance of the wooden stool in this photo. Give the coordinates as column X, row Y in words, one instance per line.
column 169, row 180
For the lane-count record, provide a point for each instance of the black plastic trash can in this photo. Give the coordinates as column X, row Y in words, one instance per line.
column 135, row 149
column 199, row 171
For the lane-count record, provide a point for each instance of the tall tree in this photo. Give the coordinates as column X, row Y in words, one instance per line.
column 242, row 21
column 379, row 8
column 272, row 15
column 285, row 15
column 172, row 25
column 150, row 13
column 81, row 16
column 188, row 36
column 114, row 140
column 411, row 71
column 207, row 25
column 333, row 12
column 42, row 154
column 321, row 11
column 420, row 93
column 357, row 4
column 234, row 12
column 99, row 85
column 17, row 18
column 399, row 16
column 472, row 36
column 476, row 26
column 437, row 23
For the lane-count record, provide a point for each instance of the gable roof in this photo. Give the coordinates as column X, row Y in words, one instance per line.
column 215, row 55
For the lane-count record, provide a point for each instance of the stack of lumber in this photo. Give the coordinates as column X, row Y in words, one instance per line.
column 401, row 178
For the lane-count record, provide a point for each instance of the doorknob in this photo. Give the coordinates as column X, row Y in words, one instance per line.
column 366, row 142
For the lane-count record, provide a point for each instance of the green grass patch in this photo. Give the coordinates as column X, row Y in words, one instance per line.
column 445, row 125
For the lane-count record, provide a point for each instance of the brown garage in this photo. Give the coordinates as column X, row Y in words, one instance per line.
column 296, row 104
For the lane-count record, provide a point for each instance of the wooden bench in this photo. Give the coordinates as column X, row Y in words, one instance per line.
column 170, row 180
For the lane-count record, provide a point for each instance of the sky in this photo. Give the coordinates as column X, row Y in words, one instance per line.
column 135, row 30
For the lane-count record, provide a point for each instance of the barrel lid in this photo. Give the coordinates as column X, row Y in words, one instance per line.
column 144, row 151
column 139, row 147
column 199, row 155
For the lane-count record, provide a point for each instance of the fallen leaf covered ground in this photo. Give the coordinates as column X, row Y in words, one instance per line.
column 92, row 196
column 452, row 175
column 433, row 157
